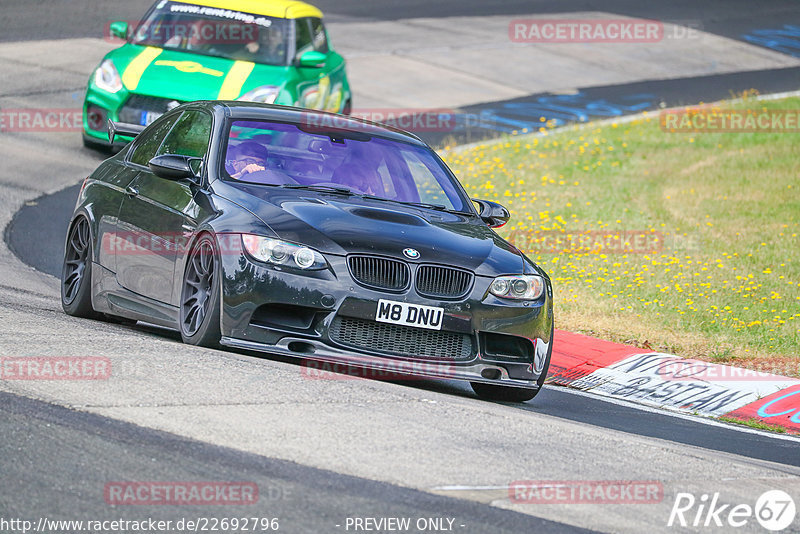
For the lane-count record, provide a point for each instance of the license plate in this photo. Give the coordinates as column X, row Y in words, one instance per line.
column 405, row 314
column 148, row 117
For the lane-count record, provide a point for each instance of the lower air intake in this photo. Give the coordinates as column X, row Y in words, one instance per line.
column 400, row 340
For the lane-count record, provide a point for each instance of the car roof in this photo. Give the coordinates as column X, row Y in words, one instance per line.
column 240, row 110
column 285, row 9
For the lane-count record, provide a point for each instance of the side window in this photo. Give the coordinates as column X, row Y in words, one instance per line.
column 190, row 135
column 302, row 37
column 147, row 143
column 318, row 37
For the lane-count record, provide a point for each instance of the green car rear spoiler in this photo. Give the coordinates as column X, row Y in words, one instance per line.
column 123, row 128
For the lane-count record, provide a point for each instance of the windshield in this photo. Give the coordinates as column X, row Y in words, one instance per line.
column 215, row 32
column 272, row 153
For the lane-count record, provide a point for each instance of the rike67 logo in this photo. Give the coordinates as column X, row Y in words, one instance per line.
column 774, row 510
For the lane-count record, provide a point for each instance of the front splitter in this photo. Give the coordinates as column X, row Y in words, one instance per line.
column 384, row 368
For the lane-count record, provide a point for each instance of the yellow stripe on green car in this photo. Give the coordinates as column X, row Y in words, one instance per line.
column 232, row 86
column 189, row 66
column 136, row 68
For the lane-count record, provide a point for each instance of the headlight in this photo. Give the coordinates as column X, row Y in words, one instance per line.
column 107, row 78
column 518, row 287
column 282, row 253
column 265, row 94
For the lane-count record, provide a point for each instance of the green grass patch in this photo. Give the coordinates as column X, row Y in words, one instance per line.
column 753, row 423
column 684, row 242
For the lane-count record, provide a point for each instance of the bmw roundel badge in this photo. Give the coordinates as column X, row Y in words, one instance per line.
column 411, row 253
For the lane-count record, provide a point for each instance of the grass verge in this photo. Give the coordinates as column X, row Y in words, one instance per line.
column 753, row 422
column 680, row 242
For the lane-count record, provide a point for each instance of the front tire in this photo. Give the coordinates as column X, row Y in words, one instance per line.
column 76, row 272
column 200, row 297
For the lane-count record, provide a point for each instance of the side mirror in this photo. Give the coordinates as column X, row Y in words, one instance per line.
column 492, row 213
column 312, row 58
column 119, row 29
column 175, row 167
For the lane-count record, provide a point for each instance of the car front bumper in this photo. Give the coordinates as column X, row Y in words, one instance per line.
column 302, row 314
column 100, row 106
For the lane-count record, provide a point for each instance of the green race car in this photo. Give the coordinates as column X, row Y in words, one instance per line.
column 273, row 51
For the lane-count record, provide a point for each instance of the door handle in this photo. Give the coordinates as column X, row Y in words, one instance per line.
column 132, row 191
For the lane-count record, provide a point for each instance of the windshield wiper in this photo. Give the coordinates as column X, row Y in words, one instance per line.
column 437, row 207
column 322, row 189
column 342, row 190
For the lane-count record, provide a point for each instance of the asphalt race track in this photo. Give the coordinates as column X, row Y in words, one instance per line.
column 323, row 451
column 55, row 19
column 42, row 430
column 552, row 401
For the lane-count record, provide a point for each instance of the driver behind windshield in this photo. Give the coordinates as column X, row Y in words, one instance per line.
column 270, row 45
column 249, row 157
column 188, row 36
column 250, row 164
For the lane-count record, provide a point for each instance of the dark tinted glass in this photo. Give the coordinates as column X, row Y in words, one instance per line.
column 190, row 135
column 320, row 40
column 287, row 154
column 302, row 37
column 147, row 142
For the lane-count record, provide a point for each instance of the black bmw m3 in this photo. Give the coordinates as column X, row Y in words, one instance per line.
column 311, row 235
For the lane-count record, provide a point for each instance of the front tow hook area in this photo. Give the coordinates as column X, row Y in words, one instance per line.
column 301, row 347
column 491, row 374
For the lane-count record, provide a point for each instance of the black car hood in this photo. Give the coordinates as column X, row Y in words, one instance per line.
column 337, row 224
